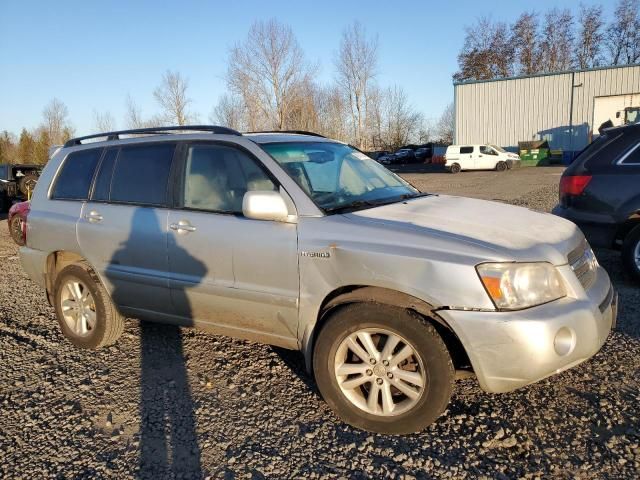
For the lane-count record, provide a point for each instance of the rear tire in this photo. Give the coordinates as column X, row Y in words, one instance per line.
column 391, row 393
column 455, row 168
column 501, row 166
column 27, row 184
column 631, row 253
column 15, row 228
column 86, row 313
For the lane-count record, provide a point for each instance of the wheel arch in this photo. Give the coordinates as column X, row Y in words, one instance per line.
column 54, row 264
column 367, row 294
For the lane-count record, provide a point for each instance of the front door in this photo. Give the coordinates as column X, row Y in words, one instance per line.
column 237, row 275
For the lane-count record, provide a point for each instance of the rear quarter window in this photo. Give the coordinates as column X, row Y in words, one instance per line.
column 466, row 149
column 74, row 180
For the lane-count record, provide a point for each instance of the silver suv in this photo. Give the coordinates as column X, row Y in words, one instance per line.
column 296, row 240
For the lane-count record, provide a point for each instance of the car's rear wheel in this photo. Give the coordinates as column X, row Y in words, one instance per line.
column 631, row 253
column 15, row 228
column 86, row 314
column 382, row 368
column 501, row 166
column 455, row 168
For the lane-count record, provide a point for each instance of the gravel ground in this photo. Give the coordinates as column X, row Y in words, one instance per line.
column 171, row 403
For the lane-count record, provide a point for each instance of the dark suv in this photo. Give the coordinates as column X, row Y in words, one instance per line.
column 600, row 192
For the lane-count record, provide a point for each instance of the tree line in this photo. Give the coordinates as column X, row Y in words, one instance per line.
column 555, row 41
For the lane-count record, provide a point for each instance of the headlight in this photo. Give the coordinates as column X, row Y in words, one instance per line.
column 514, row 286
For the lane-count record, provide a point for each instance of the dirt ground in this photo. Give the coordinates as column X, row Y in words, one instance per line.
column 165, row 402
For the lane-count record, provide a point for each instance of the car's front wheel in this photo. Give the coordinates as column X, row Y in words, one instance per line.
column 86, row 314
column 383, row 369
column 501, row 166
column 631, row 253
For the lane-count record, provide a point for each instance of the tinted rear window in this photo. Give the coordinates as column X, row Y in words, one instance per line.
column 141, row 174
column 604, row 151
column 466, row 149
column 103, row 179
column 74, row 180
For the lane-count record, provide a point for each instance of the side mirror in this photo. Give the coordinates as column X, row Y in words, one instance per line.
column 265, row 205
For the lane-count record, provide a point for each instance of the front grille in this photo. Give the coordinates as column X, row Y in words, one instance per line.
column 584, row 264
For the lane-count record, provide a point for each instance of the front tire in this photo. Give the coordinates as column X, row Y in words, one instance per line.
column 86, row 314
column 631, row 253
column 403, row 383
column 501, row 166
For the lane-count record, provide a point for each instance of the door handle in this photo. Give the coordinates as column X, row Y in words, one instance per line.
column 93, row 217
column 182, row 227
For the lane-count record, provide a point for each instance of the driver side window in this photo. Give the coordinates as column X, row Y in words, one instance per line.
column 217, row 177
column 487, row 150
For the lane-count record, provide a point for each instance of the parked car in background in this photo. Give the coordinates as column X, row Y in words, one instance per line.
column 404, row 155
column 17, row 220
column 376, row 154
column 386, row 290
column 423, row 153
column 16, row 183
column 600, row 192
column 478, row 157
column 386, row 158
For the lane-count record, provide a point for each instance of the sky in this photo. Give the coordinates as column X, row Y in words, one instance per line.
column 92, row 54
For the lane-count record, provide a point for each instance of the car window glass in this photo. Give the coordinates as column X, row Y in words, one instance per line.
column 141, row 174
column 633, row 156
column 466, row 149
column 74, row 180
column 217, row 177
column 103, row 179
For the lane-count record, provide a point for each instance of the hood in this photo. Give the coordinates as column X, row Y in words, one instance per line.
column 509, row 232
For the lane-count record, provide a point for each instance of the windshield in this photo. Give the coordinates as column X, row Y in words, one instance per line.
column 500, row 149
column 338, row 177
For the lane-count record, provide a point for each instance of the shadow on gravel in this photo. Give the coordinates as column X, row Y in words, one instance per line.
column 168, row 438
column 294, row 360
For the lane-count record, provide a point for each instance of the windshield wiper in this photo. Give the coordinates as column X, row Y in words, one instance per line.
column 352, row 206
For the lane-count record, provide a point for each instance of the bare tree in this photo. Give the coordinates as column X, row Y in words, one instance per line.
column 557, row 40
column 103, row 121
column 623, row 34
column 229, row 112
column 488, row 52
column 265, row 69
column 524, row 36
column 446, row 125
column 403, row 122
column 590, row 36
column 332, row 113
column 428, row 131
column 171, row 95
column 55, row 120
column 356, row 65
column 133, row 118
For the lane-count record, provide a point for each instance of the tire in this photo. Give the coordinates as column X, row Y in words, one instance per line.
column 27, row 183
column 501, row 166
column 107, row 324
column 431, row 361
column 455, row 168
column 15, row 229
column 631, row 253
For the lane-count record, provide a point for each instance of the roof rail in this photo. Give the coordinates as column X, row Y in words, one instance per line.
column 297, row 132
column 154, row 131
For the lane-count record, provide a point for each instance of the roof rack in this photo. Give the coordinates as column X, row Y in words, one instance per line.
column 154, row 131
column 296, row 132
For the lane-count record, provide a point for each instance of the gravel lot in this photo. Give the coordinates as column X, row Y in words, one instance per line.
column 171, row 403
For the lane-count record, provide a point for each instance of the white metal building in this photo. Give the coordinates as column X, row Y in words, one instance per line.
column 563, row 108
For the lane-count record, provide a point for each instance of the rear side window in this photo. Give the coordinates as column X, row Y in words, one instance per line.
column 632, row 156
column 74, row 180
column 466, row 149
column 141, row 174
column 103, row 179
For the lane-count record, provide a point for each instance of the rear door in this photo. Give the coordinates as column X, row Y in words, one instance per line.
column 237, row 275
column 122, row 231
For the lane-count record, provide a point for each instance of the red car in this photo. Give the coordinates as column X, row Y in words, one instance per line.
column 17, row 222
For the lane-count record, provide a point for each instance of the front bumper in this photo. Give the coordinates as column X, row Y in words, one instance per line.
column 509, row 350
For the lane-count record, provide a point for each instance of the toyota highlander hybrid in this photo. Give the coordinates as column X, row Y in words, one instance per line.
column 296, row 240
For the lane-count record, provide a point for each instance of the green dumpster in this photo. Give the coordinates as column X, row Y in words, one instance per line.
column 534, row 153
